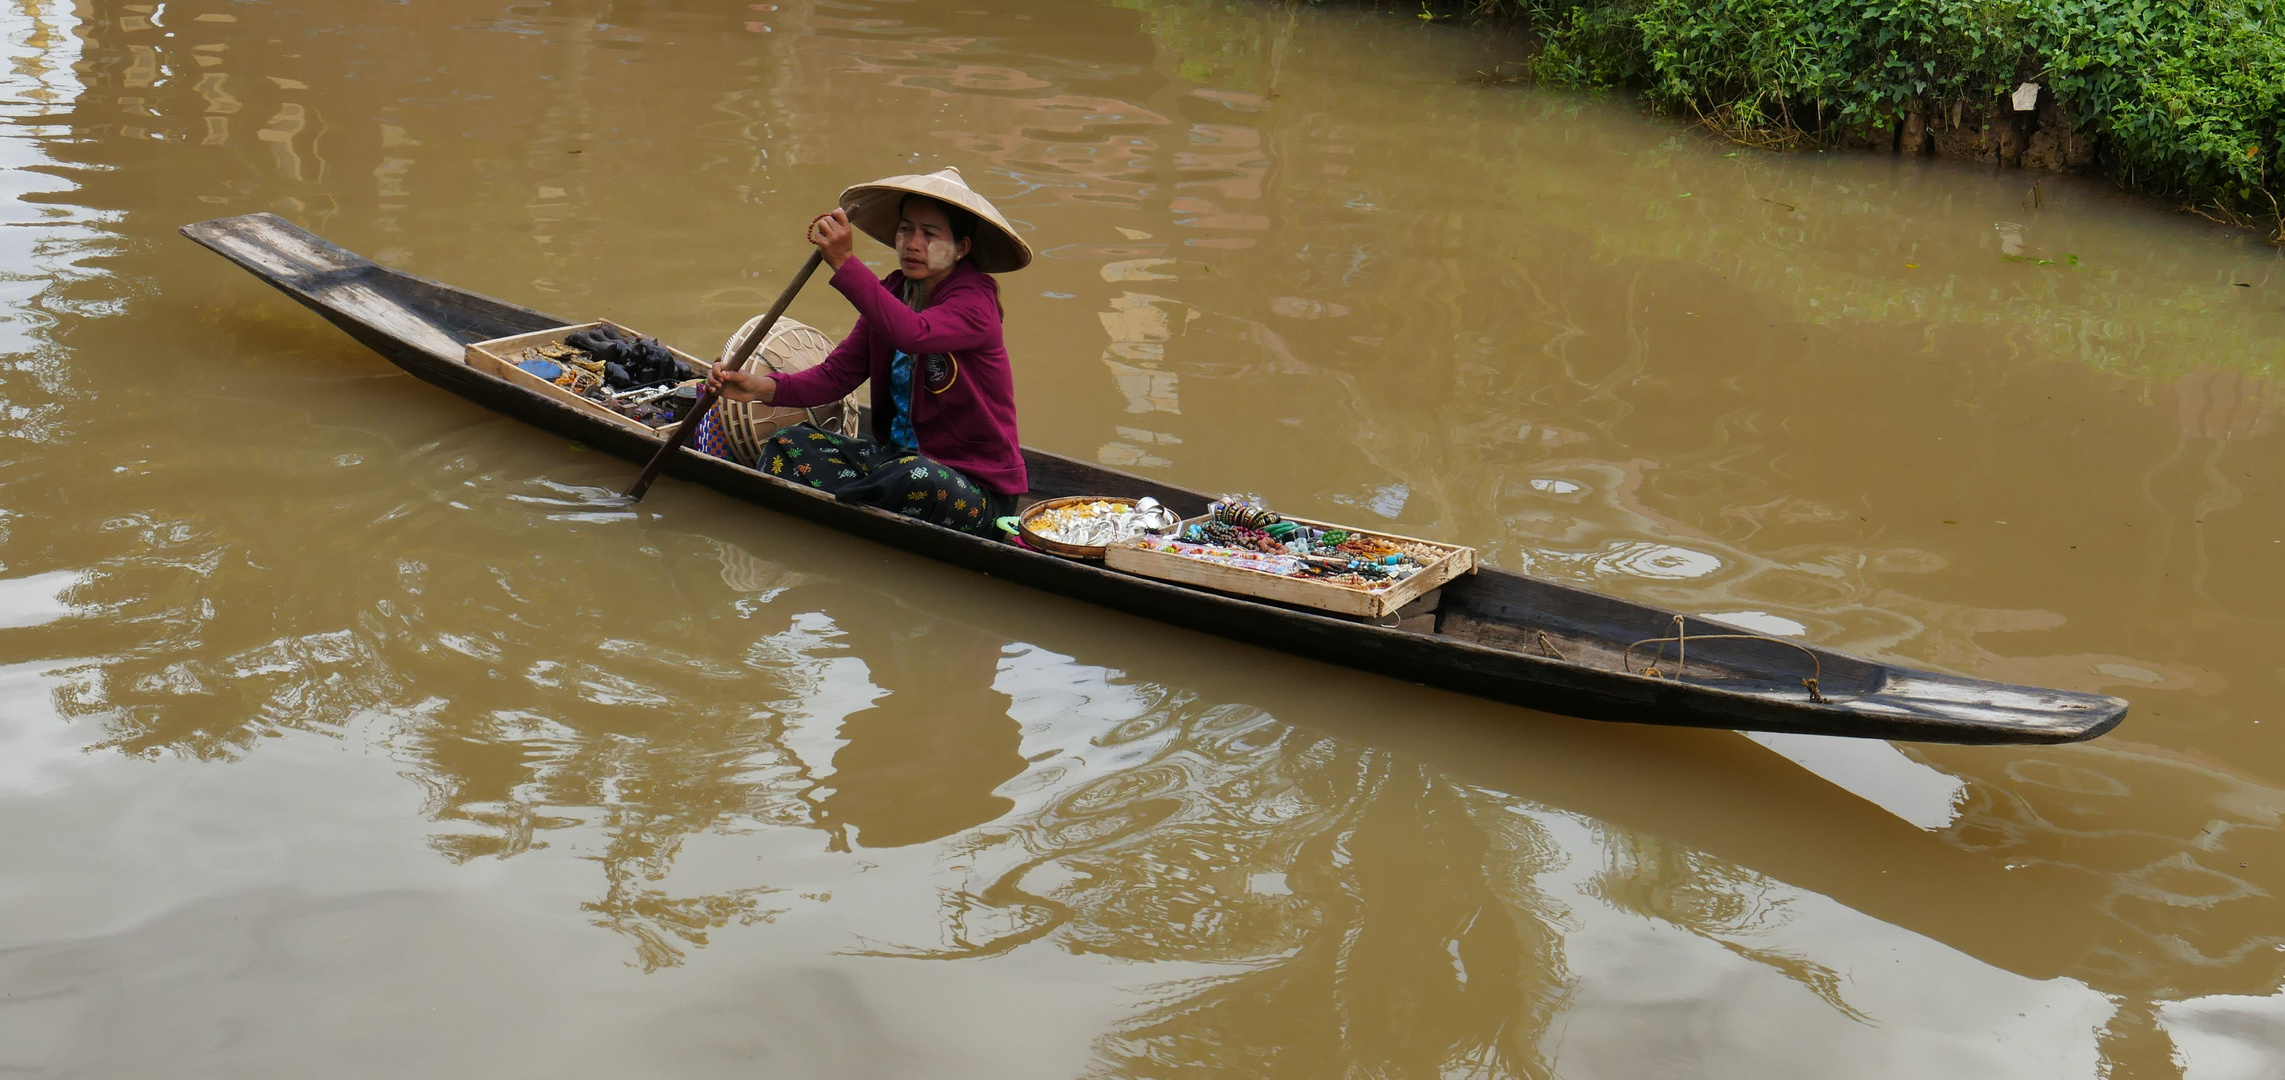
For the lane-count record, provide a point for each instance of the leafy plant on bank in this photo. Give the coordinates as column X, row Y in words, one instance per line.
column 2185, row 98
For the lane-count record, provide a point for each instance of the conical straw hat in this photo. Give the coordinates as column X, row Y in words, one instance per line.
column 873, row 208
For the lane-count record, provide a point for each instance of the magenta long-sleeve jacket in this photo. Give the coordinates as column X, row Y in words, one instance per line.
column 963, row 395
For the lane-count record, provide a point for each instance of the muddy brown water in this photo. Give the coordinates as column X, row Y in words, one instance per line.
column 343, row 734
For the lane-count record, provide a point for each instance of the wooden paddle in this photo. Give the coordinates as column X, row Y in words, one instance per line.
column 706, row 398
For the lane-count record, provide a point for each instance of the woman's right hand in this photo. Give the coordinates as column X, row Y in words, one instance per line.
column 741, row 385
column 834, row 237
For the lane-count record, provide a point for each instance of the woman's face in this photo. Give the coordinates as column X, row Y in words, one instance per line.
column 926, row 249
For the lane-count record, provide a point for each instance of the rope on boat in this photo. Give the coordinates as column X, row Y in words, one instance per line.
column 1682, row 639
column 1548, row 646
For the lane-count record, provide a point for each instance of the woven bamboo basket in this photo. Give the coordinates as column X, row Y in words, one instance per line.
column 792, row 346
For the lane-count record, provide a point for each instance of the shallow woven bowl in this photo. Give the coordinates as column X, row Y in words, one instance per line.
column 1057, row 547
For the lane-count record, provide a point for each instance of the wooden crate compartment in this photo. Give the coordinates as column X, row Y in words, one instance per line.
column 1377, row 604
column 499, row 356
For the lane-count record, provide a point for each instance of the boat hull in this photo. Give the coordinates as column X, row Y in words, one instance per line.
column 1501, row 636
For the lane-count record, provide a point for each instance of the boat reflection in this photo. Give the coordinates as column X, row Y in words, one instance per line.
column 1368, row 916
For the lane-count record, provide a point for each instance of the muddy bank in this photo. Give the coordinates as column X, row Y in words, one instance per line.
column 2042, row 138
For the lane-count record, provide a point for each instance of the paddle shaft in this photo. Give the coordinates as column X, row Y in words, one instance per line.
column 706, row 398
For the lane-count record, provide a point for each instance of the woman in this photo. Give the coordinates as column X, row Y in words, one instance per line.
column 944, row 445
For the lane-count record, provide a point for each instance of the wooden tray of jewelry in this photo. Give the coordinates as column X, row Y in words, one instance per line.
column 1302, row 580
column 511, row 358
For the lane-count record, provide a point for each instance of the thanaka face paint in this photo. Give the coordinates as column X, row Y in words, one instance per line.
column 926, row 248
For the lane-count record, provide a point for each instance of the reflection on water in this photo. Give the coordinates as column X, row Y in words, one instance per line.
column 311, row 674
column 1371, row 921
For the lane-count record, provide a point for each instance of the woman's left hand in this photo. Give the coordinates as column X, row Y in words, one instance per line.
column 833, row 236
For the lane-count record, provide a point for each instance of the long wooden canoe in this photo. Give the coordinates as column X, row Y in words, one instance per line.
column 1496, row 635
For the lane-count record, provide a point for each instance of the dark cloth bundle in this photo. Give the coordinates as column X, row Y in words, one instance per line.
column 629, row 362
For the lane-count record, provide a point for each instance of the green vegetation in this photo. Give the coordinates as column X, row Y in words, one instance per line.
column 2178, row 98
